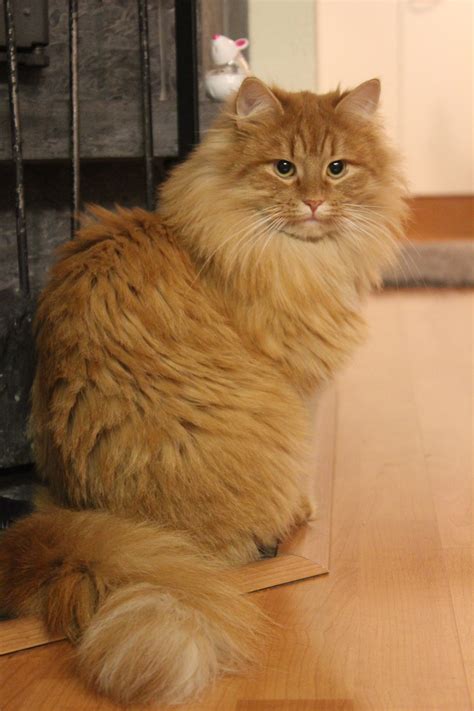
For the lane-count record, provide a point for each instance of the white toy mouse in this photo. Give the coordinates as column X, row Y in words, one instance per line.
column 231, row 67
column 225, row 50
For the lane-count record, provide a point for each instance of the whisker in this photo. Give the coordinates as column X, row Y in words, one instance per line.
column 261, row 223
column 378, row 228
column 270, row 229
column 274, row 227
column 249, row 225
column 408, row 261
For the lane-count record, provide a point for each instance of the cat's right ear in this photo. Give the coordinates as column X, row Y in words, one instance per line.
column 362, row 101
column 254, row 97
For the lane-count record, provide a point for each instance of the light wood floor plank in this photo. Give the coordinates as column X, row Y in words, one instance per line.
column 439, row 336
column 437, row 330
column 459, row 568
column 23, row 634
column 403, row 660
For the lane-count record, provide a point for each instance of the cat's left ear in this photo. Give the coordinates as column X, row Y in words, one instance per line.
column 255, row 97
column 363, row 100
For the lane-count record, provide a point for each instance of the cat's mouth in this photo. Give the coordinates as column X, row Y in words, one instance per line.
column 306, row 230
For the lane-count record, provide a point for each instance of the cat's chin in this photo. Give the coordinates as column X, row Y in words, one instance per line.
column 313, row 232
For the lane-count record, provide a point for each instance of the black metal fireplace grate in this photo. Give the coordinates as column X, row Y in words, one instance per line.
column 187, row 108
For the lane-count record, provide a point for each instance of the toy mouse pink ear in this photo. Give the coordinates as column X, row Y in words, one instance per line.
column 242, row 43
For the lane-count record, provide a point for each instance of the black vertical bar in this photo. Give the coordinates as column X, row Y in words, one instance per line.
column 187, row 75
column 74, row 114
column 146, row 101
column 22, row 245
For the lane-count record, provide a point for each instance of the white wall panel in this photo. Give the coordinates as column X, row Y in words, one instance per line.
column 436, row 94
column 355, row 41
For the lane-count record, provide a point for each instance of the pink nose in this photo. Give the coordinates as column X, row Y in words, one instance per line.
column 313, row 204
column 215, row 36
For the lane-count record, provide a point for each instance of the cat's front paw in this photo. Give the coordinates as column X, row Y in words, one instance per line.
column 306, row 511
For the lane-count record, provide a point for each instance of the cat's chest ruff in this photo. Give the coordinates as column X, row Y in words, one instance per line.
column 307, row 342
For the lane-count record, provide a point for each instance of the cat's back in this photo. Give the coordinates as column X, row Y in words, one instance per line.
column 112, row 304
column 125, row 296
column 121, row 262
column 124, row 247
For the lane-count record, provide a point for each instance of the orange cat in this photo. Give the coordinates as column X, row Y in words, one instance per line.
column 175, row 352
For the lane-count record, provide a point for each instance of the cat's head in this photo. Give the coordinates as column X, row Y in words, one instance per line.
column 314, row 163
column 291, row 166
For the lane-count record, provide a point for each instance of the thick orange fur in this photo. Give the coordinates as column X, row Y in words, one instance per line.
column 175, row 351
column 167, row 620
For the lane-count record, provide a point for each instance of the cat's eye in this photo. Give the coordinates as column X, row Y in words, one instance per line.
column 284, row 168
column 337, row 168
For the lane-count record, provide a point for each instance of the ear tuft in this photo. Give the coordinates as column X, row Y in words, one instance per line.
column 254, row 97
column 363, row 100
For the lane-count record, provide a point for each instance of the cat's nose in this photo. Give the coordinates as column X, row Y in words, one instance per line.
column 313, row 204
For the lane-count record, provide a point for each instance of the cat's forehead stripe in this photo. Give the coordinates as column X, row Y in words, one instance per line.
column 304, row 144
column 299, row 145
column 326, row 143
column 307, row 127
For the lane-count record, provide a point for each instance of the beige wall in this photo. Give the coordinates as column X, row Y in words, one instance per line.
column 436, row 96
column 282, row 41
column 355, row 41
column 421, row 49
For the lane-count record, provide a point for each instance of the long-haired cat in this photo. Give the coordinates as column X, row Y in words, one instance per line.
column 175, row 353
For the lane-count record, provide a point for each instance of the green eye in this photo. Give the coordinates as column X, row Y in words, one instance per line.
column 284, row 168
column 337, row 168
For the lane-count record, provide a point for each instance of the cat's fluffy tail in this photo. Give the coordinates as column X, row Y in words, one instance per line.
column 153, row 619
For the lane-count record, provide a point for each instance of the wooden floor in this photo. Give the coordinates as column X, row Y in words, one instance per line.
column 391, row 626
